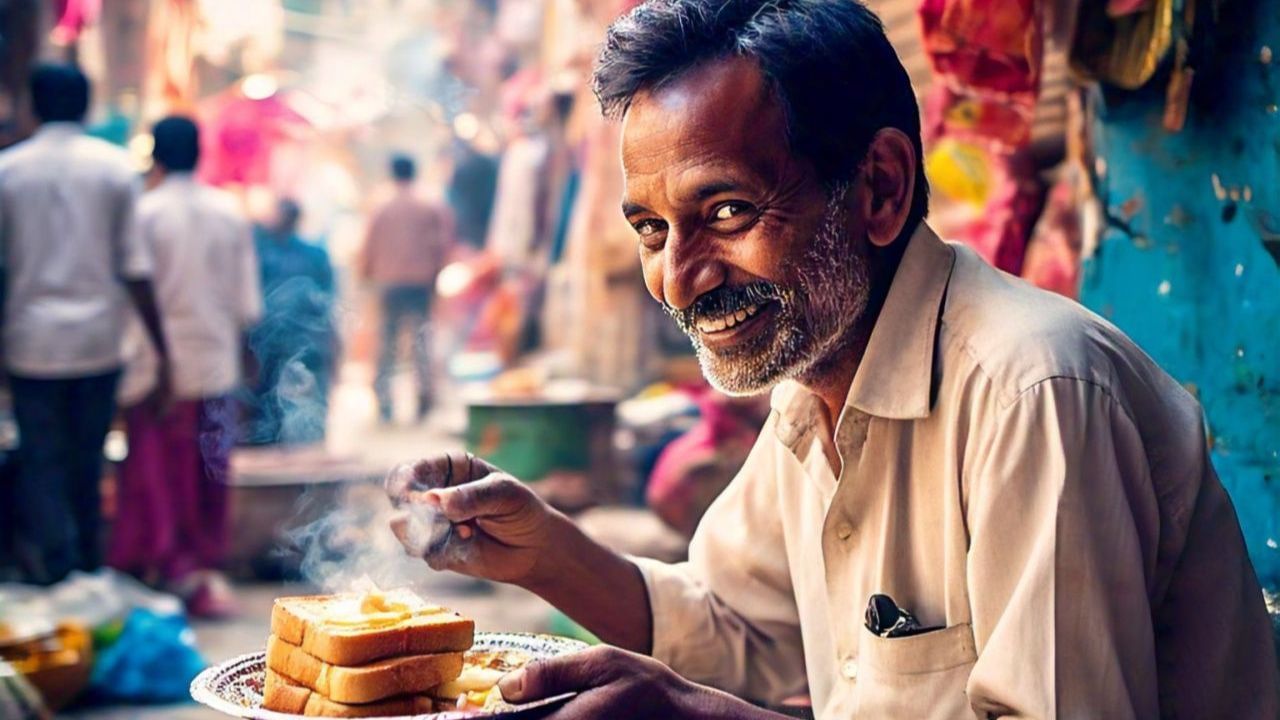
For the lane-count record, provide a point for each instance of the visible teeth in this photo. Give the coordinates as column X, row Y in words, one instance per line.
column 712, row 325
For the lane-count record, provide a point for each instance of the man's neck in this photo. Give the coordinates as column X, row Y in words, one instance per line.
column 832, row 378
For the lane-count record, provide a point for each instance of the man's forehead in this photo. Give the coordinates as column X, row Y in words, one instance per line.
column 723, row 110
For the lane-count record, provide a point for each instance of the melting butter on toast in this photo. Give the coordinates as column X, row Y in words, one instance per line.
column 356, row 628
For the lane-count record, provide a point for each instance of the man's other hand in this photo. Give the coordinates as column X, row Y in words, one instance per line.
column 616, row 684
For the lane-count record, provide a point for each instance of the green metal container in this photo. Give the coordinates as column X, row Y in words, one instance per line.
column 530, row 438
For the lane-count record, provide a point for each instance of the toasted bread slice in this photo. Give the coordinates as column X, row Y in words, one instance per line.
column 359, row 628
column 283, row 696
column 405, row 675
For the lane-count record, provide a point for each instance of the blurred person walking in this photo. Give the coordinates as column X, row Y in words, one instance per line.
column 296, row 343
column 72, row 262
column 408, row 241
column 171, row 525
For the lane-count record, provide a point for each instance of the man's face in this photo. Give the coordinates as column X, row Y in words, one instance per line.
column 761, row 265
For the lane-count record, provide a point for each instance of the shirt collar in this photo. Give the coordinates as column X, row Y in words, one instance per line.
column 895, row 377
column 183, row 177
column 59, row 128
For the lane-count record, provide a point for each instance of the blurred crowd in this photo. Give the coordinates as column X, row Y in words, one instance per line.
column 178, row 264
column 157, row 297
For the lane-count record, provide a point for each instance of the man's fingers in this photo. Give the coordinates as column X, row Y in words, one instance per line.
column 441, row 471
column 496, row 494
column 567, row 673
column 451, row 469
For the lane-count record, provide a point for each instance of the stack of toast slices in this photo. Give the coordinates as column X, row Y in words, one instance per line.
column 363, row 655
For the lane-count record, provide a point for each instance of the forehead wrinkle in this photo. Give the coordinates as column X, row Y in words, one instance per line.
column 722, row 104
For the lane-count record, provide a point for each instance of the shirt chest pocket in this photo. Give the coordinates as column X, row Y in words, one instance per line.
column 919, row 676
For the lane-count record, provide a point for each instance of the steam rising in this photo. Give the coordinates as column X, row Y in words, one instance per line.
column 345, row 543
column 341, row 538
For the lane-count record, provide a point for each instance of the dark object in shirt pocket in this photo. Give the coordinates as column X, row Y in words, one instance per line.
column 885, row 619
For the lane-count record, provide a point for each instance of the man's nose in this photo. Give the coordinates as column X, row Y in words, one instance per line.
column 689, row 272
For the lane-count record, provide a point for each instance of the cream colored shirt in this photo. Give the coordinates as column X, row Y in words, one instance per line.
column 68, row 237
column 1012, row 469
column 208, row 288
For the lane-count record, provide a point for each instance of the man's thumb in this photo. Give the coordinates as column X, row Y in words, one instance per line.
column 555, row 676
column 542, row 679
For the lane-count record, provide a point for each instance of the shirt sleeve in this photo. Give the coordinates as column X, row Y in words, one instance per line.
column 250, row 280
column 1064, row 526
column 133, row 248
column 727, row 617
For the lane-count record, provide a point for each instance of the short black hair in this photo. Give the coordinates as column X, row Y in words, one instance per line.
column 403, row 167
column 177, row 143
column 828, row 61
column 59, row 92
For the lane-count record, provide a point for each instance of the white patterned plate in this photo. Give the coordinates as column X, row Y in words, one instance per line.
column 235, row 686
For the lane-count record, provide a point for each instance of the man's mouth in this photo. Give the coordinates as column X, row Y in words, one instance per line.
column 731, row 327
column 711, row 325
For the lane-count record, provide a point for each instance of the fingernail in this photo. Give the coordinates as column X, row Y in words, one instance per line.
column 434, row 499
column 512, row 686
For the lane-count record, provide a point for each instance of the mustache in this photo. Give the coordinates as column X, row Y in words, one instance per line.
column 724, row 300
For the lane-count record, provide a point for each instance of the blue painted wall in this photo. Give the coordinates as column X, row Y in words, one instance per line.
column 1189, row 263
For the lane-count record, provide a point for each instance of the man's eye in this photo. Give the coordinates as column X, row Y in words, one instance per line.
column 728, row 210
column 650, row 231
column 732, row 216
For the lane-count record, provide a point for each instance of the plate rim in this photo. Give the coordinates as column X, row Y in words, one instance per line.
column 200, row 692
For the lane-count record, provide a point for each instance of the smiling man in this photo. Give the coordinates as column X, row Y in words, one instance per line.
column 971, row 498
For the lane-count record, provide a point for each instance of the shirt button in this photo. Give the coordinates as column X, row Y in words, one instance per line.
column 845, row 531
column 849, row 670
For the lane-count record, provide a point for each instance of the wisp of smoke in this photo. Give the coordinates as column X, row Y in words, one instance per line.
column 345, row 542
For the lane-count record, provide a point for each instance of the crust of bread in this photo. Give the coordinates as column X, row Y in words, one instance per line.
column 405, row 675
column 281, row 695
column 434, row 630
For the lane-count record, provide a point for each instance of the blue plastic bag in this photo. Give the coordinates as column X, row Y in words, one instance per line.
column 153, row 660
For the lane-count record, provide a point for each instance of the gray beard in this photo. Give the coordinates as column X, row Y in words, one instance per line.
column 817, row 317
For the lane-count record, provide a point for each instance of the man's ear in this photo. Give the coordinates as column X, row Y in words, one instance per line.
column 889, row 179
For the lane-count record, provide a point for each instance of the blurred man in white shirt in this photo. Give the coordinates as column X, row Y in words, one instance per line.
column 72, row 263
column 172, row 519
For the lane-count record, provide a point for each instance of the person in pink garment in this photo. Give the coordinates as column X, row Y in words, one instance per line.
column 171, row 526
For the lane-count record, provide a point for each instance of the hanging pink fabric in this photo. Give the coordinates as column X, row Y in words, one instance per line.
column 73, row 17
column 240, row 136
column 987, row 57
